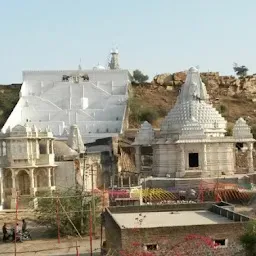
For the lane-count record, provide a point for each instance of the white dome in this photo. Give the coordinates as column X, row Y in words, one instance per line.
column 99, row 67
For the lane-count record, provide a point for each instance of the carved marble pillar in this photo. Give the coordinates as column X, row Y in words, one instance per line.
column 250, row 157
column 138, row 158
column 181, row 171
column 49, row 177
column 32, row 182
column 14, row 190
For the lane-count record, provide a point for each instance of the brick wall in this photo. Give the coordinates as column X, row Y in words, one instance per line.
column 161, row 208
column 169, row 238
column 112, row 232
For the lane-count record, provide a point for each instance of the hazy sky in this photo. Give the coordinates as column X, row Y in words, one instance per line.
column 155, row 36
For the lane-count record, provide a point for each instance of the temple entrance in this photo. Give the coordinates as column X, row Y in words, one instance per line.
column 23, row 183
column 193, row 160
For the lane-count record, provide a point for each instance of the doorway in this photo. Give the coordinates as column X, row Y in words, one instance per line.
column 193, row 160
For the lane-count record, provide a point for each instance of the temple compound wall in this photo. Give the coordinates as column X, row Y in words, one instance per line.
column 192, row 142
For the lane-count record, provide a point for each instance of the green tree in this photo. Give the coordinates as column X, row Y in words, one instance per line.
column 73, row 209
column 139, row 77
column 240, row 71
column 248, row 239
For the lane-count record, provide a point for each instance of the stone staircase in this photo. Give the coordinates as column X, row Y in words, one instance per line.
column 193, row 174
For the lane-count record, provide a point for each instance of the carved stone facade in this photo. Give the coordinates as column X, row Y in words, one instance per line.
column 192, row 141
column 26, row 170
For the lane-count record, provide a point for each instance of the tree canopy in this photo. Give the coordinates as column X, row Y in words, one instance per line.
column 240, row 71
column 139, row 77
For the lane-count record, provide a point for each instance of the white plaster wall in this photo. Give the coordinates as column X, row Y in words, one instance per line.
column 65, row 175
column 161, row 160
column 220, row 158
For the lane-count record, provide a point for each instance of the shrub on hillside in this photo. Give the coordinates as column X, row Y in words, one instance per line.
column 148, row 114
column 139, row 77
column 140, row 113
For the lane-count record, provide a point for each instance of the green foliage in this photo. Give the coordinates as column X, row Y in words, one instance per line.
column 229, row 130
column 223, row 109
column 248, row 239
column 71, row 200
column 240, row 71
column 139, row 77
column 148, row 114
column 141, row 113
column 8, row 99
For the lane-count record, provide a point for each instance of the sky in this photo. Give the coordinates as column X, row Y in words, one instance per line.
column 155, row 36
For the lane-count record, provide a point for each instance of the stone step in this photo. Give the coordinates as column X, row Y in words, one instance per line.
column 193, row 174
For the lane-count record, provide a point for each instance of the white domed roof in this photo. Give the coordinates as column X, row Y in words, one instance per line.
column 99, row 67
column 192, row 104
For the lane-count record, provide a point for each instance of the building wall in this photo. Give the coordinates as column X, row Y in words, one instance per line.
column 214, row 159
column 220, row 158
column 167, row 238
column 165, row 160
column 65, row 174
column 112, row 233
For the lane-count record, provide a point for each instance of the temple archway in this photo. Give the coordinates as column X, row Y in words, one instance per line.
column 23, row 182
column 41, row 179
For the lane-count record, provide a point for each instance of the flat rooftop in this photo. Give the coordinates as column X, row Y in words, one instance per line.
column 168, row 219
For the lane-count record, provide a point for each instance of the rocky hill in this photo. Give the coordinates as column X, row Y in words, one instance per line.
column 233, row 97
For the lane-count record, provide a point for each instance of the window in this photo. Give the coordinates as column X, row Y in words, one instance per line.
column 193, row 160
column 220, row 243
column 239, row 146
column 151, row 247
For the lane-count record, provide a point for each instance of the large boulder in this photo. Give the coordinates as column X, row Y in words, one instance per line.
column 179, row 76
column 162, row 79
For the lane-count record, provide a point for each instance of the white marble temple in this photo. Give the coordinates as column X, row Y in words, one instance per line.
column 95, row 100
column 192, row 141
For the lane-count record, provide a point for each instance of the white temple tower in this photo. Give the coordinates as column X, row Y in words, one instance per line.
column 114, row 61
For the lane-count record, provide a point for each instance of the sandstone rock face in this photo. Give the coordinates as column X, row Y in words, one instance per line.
column 162, row 79
column 216, row 84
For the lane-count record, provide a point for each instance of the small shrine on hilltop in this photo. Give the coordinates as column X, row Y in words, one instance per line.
column 192, row 142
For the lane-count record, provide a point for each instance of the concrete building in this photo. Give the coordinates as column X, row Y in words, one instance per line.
column 192, row 142
column 95, row 100
column 172, row 229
